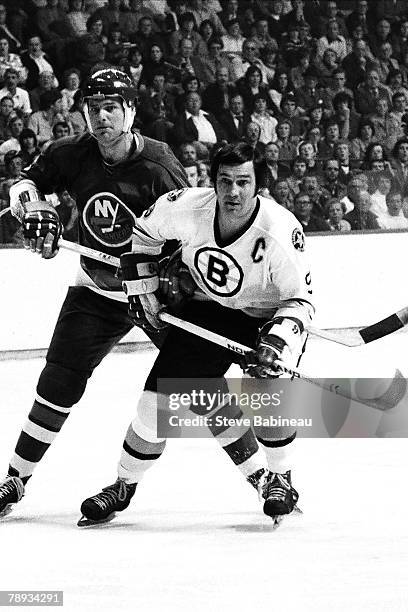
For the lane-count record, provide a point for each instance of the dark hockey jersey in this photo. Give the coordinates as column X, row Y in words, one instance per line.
column 109, row 197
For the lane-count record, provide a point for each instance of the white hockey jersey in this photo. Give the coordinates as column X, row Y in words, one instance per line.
column 263, row 272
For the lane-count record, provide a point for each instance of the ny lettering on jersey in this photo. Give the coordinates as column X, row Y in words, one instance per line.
column 108, row 219
column 263, row 270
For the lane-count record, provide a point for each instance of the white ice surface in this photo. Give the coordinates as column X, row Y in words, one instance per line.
column 195, row 538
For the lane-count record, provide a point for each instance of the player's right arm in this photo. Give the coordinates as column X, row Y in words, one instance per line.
column 40, row 221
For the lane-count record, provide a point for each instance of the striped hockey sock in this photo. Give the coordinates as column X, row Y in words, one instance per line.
column 41, row 428
column 238, row 440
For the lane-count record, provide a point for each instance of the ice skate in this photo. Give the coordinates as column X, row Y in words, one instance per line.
column 11, row 491
column 277, row 491
column 102, row 508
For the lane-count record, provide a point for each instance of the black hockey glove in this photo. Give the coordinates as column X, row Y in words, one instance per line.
column 140, row 282
column 176, row 283
column 42, row 229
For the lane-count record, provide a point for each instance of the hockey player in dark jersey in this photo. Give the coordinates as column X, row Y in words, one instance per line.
column 114, row 175
column 246, row 256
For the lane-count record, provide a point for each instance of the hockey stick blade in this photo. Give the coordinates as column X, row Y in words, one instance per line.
column 365, row 335
column 368, row 334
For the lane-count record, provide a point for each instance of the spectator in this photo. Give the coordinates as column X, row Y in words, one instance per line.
column 311, row 94
column 110, row 15
column 145, row 36
column 156, row 96
column 187, row 153
column 328, row 142
column 298, row 168
column 369, row 92
column 204, row 179
column 18, row 94
column 240, row 65
column 90, row 48
column 13, row 143
column 155, row 63
column 345, row 116
column 45, row 83
column 365, row 136
column 77, row 17
column 233, row 40
column 290, row 112
column 386, row 63
column 310, row 185
column 270, row 60
column 206, row 31
column 6, row 113
column 264, row 118
column 400, row 40
column 382, row 186
column 187, row 29
column 303, row 212
column 280, row 86
column 357, row 64
column 61, row 129
column 213, row 60
column 36, row 62
column 217, row 95
column 327, row 66
column 76, row 116
column 358, row 182
column 332, row 40
column 252, row 133
column 235, row 119
column 261, row 35
column 132, row 65
column 188, row 64
column 252, row 85
column 393, row 218
column 308, row 154
column 5, row 32
column 396, row 84
column 342, row 154
column 283, row 194
column 71, row 80
column 203, row 10
column 335, row 213
column 270, row 168
column 42, row 121
column 194, row 124
column 192, row 174
column 375, row 152
column 117, row 48
column 330, row 11
column 380, row 35
column 10, row 60
column 331, row 185
column 28, row 146
column 361, row 217
column 400, row 166
column 297, row 73
column 286, row 142
column 361, row 17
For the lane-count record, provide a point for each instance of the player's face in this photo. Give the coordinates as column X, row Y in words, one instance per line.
column 106, row 119
column 236, row 190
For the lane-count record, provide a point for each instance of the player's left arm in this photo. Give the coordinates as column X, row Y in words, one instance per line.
column 283, row 336
column 140, row 268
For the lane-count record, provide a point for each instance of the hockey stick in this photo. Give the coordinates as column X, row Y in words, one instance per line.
column 3, row 212
column 365, row 335
column 388, row 399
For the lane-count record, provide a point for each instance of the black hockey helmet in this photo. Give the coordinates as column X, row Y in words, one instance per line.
column 111, row 83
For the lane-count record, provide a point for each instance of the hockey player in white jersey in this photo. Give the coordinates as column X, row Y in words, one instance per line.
column 245, row 255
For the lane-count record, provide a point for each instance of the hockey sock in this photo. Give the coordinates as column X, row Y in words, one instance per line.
column 237, row 439
column 141, row 447
column 42, row 426
column 278, row 452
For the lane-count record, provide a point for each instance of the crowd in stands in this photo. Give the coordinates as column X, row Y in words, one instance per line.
column 319, row 89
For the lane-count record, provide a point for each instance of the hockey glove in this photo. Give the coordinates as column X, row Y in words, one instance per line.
column 42, row 229
column 176, row 283
column 278, row 339
column 140, row 282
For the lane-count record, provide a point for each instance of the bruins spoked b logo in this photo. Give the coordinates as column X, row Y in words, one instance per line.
column 109, row 220
column 219, row 271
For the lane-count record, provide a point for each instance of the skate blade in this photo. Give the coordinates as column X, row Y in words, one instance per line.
column 6, row 510
column 85, row 522
column 277, row 519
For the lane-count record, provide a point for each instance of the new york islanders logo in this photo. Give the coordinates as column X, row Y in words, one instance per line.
column 219, row 271
column 108, row 219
